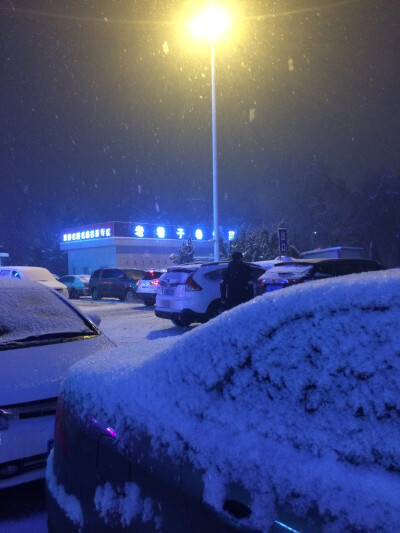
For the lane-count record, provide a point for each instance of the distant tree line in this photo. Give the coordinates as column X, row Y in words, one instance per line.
column 320, row 212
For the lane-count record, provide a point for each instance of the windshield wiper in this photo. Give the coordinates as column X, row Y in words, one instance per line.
column 45, row 338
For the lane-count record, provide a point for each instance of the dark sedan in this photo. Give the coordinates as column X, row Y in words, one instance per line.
column 288, row 273
column 279, row 415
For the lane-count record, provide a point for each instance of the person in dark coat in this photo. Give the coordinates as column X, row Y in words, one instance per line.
column 237, row 282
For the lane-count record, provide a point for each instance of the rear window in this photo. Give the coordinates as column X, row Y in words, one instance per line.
column 215, row 275
column 176, row 277
column 134, row 274
column 288, row 271
column 154, row 274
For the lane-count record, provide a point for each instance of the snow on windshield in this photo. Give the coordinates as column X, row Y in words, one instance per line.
column 30, row 309
column 294, row 395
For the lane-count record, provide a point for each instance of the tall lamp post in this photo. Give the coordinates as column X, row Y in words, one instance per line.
column 209, row 26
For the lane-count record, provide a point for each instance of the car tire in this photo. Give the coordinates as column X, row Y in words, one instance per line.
column 73, row 294
column 149, row 302
column 95, row 294
column 130, row 296
column 180, row 323
column 214, row 310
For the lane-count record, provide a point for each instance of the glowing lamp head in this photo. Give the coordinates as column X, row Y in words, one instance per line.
column 211, row 23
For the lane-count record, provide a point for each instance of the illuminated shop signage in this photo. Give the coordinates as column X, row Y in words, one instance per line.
column 97, row 231
column 139, row 231
column 166, row 232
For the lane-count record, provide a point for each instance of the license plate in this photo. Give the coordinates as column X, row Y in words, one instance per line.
column 168, row 292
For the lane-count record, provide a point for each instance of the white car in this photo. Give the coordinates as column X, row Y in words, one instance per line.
column 41, row 335
column 39, row 274
column 191, row 293
column 147, row 286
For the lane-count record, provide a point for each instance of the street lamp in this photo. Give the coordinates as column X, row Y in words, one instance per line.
column 209, row 26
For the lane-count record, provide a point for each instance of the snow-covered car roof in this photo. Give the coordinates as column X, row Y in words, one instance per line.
column 294, row 394
column 33, row 273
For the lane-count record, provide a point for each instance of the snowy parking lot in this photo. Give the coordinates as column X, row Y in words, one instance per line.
column 22, row 508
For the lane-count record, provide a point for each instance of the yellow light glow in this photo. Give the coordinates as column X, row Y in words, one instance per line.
column 211, row 23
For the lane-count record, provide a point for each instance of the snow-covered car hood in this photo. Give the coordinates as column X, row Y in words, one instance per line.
column 36, row 373
column 41, row 336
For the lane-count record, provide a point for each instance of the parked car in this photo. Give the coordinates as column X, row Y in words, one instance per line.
column 296, row 271
column 39, row 274
column 147, row 286
column 281, row 414
column 115, row 283
column 77, row 285
column 41, row 335
column 191, row 293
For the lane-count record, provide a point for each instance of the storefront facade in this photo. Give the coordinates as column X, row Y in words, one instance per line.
column 129, row 245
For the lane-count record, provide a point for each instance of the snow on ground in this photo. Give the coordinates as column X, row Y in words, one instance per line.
column 307, row 376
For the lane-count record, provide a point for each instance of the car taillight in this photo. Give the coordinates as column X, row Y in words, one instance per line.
column 154, row 282
column 191, row 285
column 60, row 433
column 138, row 282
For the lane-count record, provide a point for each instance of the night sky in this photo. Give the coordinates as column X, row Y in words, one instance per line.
column 106, row 108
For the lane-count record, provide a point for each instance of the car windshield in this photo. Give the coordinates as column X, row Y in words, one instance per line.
column 30, row 313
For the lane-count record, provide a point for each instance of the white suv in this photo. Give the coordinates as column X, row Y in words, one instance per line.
column 191, row 293
column 147, row 286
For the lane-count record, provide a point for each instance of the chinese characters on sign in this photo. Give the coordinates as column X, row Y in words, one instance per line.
column 87, row 234
column 141, row 231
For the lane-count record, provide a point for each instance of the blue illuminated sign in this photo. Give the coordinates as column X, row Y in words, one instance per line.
column 139, row 231
column 85, row 234
column 160, row 232
column 198, row 234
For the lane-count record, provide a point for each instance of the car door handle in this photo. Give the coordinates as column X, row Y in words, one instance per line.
column 237, row 509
